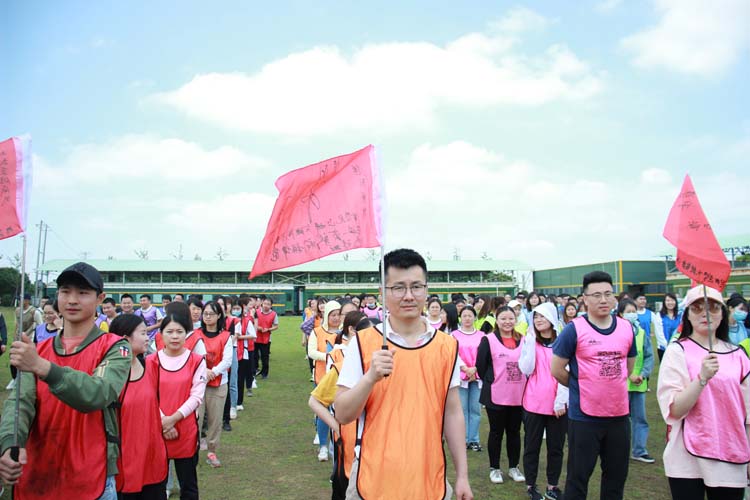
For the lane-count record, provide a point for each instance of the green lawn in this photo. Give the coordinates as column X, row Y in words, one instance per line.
column 269, row 454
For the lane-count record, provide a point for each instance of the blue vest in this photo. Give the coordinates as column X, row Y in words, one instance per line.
column 645, row 321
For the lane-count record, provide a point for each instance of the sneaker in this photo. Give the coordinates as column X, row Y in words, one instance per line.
column 255, row 385
column 250, row 393
column 553, row 493
column 323, row 454
column 646, row 459
column 11, row 385
column 476, row 447
column 239, row 408
column 316, row 441
column 264, row 377
column 204, row 444
column 168, row 493
column 212, row 460
column 233, row 413
column 226, row 426
column 516, row 475
column 496, row 476
column 534, row 493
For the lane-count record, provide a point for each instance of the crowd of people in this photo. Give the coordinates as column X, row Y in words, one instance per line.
column 394, row 378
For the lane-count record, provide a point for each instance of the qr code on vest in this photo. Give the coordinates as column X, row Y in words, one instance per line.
column 609, row 364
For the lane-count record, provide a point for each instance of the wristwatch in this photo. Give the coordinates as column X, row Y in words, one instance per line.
column 702, row 382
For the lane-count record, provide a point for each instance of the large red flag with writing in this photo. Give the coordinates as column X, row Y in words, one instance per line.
column 325, row 208
column 699, row 255
column 15, row 184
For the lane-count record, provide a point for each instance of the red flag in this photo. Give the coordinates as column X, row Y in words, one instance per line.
column 699, row 255
column 15, row 183
column 325, row 208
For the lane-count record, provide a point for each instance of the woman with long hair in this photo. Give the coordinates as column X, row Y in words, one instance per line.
column 218, row 343
column 670, row 318
column 502, row 392
column 703, row 375
column 449, row 316
column 485, row 314
column 143, row 453
column 570, row 312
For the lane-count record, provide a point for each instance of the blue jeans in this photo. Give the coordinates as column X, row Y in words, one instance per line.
column 233, row 380
column 321, row 428
column 638, row 423
column 110, row 489
column 472, row 410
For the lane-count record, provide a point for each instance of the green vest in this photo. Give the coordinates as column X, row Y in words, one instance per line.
column 479, row 322
column 745, row 344
column 639, row 339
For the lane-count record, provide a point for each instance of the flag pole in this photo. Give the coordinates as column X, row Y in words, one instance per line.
column 14, row 450
column 708, row 318
column 382, row 294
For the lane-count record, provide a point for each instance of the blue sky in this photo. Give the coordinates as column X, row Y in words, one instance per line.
column 554, row 133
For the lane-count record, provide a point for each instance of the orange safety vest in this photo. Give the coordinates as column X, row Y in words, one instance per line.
column 325, row 340
column 401, row 451
column 348, row 436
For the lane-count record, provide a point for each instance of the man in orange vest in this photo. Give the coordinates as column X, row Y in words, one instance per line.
column 399, row 444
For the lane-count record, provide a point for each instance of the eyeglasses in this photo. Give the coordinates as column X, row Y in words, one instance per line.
column 700, row 307
column 209, row 314
column 599, row 295
column 399, row 291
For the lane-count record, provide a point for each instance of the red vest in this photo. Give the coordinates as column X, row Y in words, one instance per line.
column 214, row 351
column 66, row 448
column 143, row 454
column 265, row 320
column 173, row 390
column 245, row 347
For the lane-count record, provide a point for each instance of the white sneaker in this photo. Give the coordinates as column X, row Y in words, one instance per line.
column 255, row 384
column 11, row 385
column 496, row 476
column 316, row 441
column 233, row 413
column 239, row 408
column 516, row 475
column 323, row 454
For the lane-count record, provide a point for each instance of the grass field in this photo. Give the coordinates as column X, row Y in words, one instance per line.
column 269, row 453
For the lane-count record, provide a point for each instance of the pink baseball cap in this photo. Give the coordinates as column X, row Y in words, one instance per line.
column 696, row 293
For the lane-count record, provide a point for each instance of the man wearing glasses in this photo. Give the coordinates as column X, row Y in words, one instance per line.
column 600, row 350
column 405, row 396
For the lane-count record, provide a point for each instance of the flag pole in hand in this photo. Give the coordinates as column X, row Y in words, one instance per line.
column 14, row 450
column 382, row 294
column 708, row 319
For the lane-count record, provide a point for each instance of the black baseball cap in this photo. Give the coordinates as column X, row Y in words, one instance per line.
column 81, row 273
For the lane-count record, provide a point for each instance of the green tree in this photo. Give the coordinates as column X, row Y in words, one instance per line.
column 10, row 284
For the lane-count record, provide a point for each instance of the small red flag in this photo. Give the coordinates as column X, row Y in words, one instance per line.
column 699, row 255
column 15, row 183
column 324, row 208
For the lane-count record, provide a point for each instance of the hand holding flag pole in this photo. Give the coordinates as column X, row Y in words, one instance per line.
column 699, row 255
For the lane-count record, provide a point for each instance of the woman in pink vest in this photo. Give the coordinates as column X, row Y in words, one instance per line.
column 468, row 344
column 502, row 392
column 704, row 397
column 545, row 402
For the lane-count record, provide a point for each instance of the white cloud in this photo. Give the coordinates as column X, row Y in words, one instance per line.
column 392, row 87
column 608, row 5
column 693, row 36
column 143, row 159
column 656, row 176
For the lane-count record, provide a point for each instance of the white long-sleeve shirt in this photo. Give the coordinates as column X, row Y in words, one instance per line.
column 657, row 329
column 527, row 365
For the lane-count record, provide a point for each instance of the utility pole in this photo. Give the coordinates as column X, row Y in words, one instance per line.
column 39, row 252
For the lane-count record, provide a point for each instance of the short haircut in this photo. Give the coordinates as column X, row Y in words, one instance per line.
column 146, row 296
column 166, row 296
column 125, row 296
column 180, row 295
column 403, row 258
column 596, row 277
column 623, row 304
column 109, row 300
column 638, row 295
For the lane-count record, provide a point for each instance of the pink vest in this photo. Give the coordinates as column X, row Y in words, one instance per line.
column 603, row 368
column 715, row 427
column 467, row 348
column 541, row 388
column 507, row 388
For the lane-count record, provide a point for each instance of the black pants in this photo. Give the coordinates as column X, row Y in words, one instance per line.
column 339, row 481
column 504, row 420
column 245, row 376
column 695, row 489
column 262, row 351
column 149, row 492
column 609, row 440
column 534, row 426
column 187, row 476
